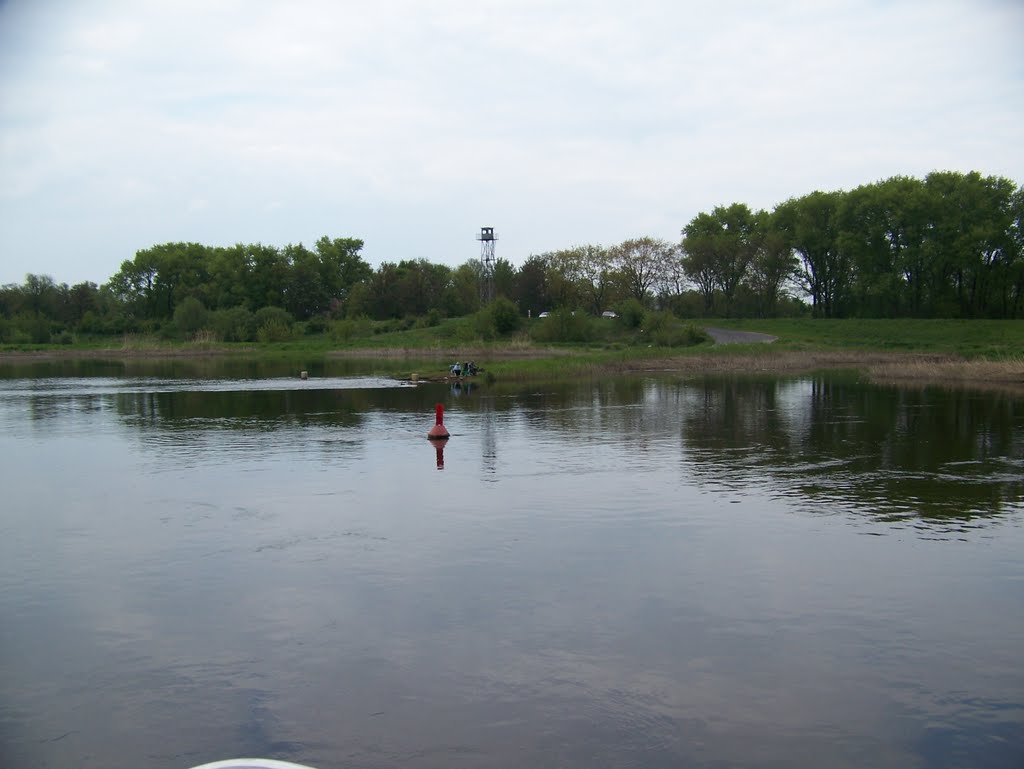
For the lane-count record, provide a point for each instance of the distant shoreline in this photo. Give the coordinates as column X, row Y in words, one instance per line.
column 882, row 367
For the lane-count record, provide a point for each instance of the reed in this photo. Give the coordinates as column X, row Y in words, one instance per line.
column 1002, row 373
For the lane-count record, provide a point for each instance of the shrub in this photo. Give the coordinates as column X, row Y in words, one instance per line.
column 499, row 318
column 265, row 314
column 318, row 324
column 631, row 313
column 235, row 324
column 189, row 316
column 274, row 330
column 347, row 330
column 563, row 326
column 662, row 329
column 26, row 328
column 504, row 315
column 273, row 324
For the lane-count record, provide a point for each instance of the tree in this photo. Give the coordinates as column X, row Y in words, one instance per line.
column 134, row 284
column 267, row 277
column 881, row 227
column 341, row 266
column 231, row 276
column 641, row 263
column 504, row 278
column 531, row 286
column 720, row 247
column 462, row 294
column 810, row 224
column 597, row 277
column 771, row 268
column 699, row 265
column 564, row 277
column 306, row 294
column 970, row 239
column 420, row 286
column 78, row 300
column 1015, row 277
column 40, row 293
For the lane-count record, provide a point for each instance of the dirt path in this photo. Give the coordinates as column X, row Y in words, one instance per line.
column 728, row 336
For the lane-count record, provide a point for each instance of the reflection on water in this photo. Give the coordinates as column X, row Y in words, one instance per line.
column 630, row 572
column 836, row 444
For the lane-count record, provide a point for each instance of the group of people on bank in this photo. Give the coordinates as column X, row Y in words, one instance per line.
column 463, row 369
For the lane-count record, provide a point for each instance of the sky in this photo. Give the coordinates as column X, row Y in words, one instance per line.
column 412, row 124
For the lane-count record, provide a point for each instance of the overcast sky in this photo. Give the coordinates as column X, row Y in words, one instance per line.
column 412, row 123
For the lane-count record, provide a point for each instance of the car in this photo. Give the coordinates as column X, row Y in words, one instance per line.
column 609, row 314
column 544, row 314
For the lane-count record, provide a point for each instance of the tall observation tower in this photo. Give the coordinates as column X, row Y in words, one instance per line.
column 486, row 237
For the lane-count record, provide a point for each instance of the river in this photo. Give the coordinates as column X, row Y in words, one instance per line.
column 202, row 561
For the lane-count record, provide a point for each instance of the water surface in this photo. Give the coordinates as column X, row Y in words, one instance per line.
column 646, row 572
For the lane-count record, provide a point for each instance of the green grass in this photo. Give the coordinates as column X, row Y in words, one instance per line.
column 994, row 339
column 608, row 342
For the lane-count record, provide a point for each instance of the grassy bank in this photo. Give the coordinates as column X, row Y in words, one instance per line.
column 971, row 339
column 898, row 351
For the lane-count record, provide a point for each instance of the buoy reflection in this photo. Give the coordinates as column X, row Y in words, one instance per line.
column 439, row 444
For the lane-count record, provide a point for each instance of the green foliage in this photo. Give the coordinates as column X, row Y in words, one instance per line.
column 498, row 319
column 273, row 324
column 719, row 248
column 235, row 324
column 309, row 283
column 663, row 329
column 563, row 326
column 350, row 329
column 266, row 314
column 26, row 328
column 483, row 325
column 190, row 317
column 318, row 324
column 631, row 312
column 642, row 264
column 531, row 291
column 948, row 245
column 274, row 330
column 504, row 316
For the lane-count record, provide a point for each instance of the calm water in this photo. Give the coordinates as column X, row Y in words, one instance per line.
column 206, row 561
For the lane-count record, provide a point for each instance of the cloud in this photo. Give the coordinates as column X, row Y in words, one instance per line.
column 411, row 124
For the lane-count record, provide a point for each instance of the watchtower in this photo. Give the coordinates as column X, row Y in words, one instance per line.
column 487, row 237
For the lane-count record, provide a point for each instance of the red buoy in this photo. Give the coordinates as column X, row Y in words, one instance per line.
column 438, row 431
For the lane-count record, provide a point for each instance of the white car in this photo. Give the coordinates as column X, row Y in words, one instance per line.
column 609, row 314
column 544, row 314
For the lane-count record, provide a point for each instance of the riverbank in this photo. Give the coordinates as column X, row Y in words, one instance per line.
column 906, row 352
column 518, row 363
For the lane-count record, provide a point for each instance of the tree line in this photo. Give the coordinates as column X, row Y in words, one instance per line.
column 948, row 245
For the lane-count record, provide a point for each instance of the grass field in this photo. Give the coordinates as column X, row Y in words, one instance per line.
column 993, row 339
